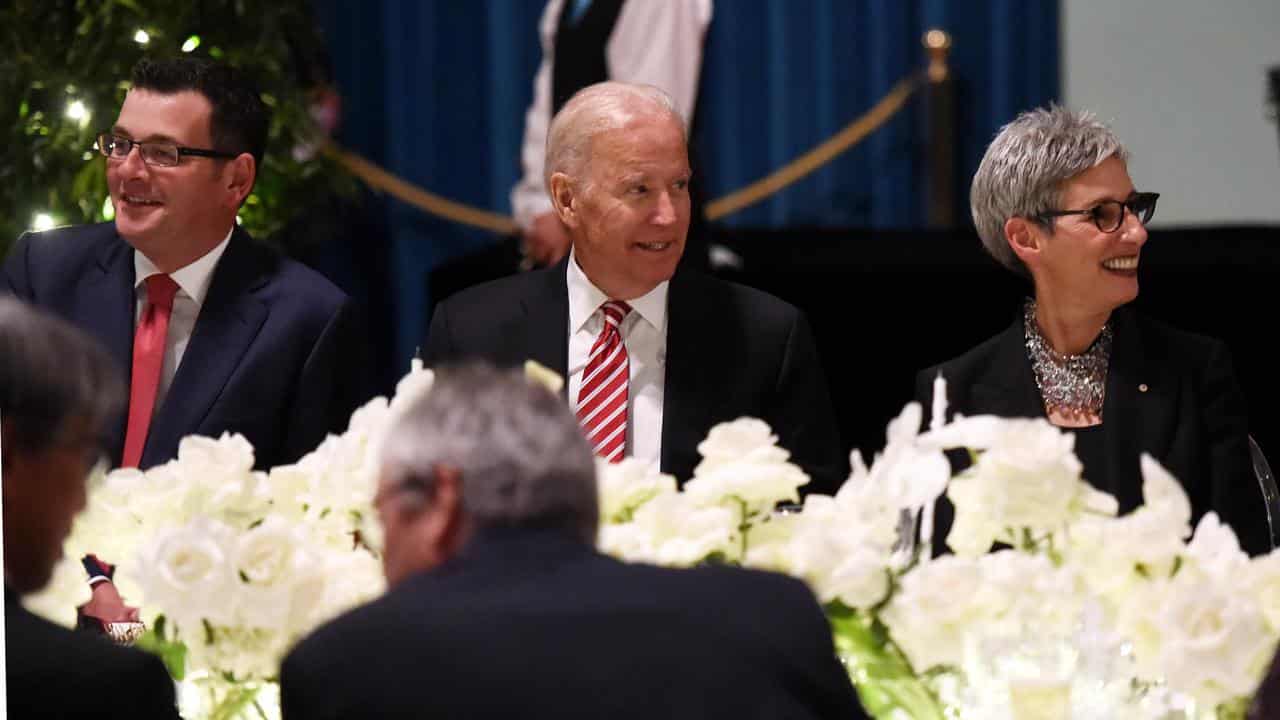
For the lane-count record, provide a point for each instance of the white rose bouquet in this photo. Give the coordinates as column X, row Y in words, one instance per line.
column 229, row 567
column 1083, row 615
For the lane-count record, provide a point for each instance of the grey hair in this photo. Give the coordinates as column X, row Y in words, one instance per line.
column 521, row 456
column 1022, row 172
column 595, row 109
column 51, row 372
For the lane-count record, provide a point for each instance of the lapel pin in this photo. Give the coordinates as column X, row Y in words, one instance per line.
column 1142, row 387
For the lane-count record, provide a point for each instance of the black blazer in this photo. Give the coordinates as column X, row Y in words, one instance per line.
column 270, row 357
column 54, row 673
column 1170, row 393
column 732, row 351
column 532, row 623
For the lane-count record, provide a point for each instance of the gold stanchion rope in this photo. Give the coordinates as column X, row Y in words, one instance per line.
column 853, row 133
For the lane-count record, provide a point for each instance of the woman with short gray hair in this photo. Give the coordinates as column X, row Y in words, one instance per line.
column 1053, row 202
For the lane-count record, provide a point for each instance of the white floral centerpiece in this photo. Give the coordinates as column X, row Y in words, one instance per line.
column 230, row 566
column 1083, row 615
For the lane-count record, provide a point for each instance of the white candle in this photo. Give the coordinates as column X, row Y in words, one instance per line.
column 939, row 417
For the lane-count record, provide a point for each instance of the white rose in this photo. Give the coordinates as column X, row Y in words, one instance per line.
column 280, row 581
column 671, row 530
column 760, row 485
column 1216, row 551
column 906, row 473
column 1113, row 553
column 1211, row 640
column 1263, row 581
column 186, row 572
column 1027, row 477
column 832, row 546
column 736, row 441
column 626, row 485
column 352, row 578
column 935, row 605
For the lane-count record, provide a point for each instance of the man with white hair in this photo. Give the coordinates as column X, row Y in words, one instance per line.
column 499, row 607
column 654, row 357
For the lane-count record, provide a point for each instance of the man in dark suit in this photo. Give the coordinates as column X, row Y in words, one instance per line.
column 681, row 350
column 57, row 391
column 220, row 333
column 499, row 607
column 249, row 342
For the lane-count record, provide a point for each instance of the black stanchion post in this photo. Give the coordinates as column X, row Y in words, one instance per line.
column 940, row 114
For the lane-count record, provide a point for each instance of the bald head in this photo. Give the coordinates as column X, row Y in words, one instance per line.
column 599, row 108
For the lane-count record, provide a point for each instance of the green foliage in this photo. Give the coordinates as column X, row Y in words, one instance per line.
column 56, row 52
column 880, row 672
column 172, row 652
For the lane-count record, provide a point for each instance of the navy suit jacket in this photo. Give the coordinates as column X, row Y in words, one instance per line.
column 732, row 351
column 55, row 673
column 271, row 355
column 1170, row 393
column 533, row 623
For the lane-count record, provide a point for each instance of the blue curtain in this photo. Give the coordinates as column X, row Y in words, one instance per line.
column 435, row 91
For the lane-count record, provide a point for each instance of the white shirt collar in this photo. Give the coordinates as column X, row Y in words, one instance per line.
column 193, row 279
column 585, row 298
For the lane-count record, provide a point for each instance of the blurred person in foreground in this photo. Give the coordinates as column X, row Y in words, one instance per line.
column 653, row 354
column 499, row 605
column 1053, row 202
column 58, row 391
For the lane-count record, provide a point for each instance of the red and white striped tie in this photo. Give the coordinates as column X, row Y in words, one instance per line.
column 602, row 400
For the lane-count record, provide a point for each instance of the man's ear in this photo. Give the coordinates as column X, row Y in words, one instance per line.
column 239, row 176
column 443, row 530
column 1023, row 238
column 564, row 199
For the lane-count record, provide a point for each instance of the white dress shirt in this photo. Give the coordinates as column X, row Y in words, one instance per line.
column 655, row 42
column 644, row 333
column 193, row 285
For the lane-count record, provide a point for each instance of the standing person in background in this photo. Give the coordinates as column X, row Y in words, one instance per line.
column 589, row 41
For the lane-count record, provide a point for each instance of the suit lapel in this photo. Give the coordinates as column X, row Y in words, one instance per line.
column 546, row 324
column 108, row 310
column 690, row 336
column 228, row 322
column 1138, row 402
column 1008, row 388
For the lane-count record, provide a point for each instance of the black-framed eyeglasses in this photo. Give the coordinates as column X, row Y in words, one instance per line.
column 160, row 153
column 1108, row 215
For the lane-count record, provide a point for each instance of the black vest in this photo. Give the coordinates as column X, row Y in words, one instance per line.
column 580, row 49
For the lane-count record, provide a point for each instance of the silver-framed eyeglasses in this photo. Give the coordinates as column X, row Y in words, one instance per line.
column 1108, row 215
column 159, row 152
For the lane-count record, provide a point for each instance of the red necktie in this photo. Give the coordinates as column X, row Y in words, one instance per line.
column 148, row 359
column 602, row 400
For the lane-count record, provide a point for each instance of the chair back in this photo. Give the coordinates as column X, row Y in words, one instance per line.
column 1270, row 494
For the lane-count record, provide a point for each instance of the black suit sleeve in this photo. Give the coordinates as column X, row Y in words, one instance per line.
column 439, row 346
column 15, row 277
column 812, row 650
column 1236, row 494
column 803, row 416
column 333, row 384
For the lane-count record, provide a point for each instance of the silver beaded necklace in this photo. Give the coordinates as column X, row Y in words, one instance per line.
column 1071, row 384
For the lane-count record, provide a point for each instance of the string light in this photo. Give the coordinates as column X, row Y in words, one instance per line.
column 42, row 221
column 78, row 112
column 141, row 37
column 192, row 43
column 108, row 210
